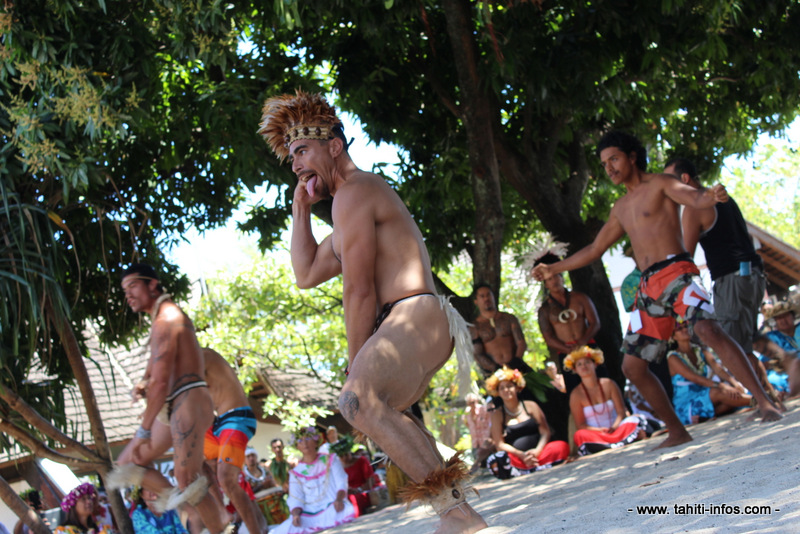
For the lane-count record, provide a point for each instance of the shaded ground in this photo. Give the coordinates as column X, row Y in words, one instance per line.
column 731, row 462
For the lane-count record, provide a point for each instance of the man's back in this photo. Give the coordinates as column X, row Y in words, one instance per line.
column 223, row 384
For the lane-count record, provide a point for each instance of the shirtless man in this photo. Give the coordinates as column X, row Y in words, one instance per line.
column 176, row 393
column 670, row 285
column 279, row 465
column 398, row 331
column 226, row 440
column 497, row 338
column 567, row 320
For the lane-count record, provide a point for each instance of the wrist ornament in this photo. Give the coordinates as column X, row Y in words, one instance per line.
column 142, row 433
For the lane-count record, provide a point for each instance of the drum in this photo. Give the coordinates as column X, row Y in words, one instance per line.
column 272, row 504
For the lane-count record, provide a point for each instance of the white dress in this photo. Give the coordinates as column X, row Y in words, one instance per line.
column 313, row 487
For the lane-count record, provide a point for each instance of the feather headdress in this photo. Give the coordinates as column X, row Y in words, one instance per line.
column 287, row 118
column 547, row 250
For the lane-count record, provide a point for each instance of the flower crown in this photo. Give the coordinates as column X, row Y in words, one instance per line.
column 504, row 374
column 305, row 432
column 71, row 499
column 583, row 352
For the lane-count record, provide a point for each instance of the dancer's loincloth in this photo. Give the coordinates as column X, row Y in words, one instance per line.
column 459, row 332
column 166, row 410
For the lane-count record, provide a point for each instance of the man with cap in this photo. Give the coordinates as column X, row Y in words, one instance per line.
column 780, row 344
column 399, row 332
column 176, row 391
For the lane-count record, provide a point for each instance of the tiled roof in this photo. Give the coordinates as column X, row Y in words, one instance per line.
column 112, row 374
column 298, row 385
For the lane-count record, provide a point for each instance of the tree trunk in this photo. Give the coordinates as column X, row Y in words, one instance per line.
column 102, row 448
column 477, row 116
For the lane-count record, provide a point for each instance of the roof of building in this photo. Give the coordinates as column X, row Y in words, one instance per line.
column 781, row 260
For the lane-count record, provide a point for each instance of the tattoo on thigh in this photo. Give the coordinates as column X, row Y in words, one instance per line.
column 348, row 404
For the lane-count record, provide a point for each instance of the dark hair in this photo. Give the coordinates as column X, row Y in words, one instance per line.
column 275, row 440
column 144, row 271
column 476, row 287
column 626, row 143
column 33, row 497
column 682, row 166
column 71, row 520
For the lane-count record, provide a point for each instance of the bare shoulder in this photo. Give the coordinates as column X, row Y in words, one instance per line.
column 608, row 384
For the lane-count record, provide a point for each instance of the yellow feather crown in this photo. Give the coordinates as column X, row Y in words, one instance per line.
column 287, row 118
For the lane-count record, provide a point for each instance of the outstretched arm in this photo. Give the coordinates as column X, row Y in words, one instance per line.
column 609, row 234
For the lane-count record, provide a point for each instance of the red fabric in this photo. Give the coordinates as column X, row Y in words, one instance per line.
column 359, row 473
column 593, row 436
column 554, row 451
column 690, row 296
column 354, row 502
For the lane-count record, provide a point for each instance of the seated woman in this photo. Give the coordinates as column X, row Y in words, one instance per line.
column 78, row 506
column 695, row 395
column 596, row 406
column 147, row 521
column 317, row 489
column 519, row 430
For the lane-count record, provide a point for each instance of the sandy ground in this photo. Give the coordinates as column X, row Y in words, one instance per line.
column 732, row 462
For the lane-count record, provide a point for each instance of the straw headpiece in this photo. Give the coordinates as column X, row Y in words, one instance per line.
column 504, row 374
column 287, row 118
column 582, row 352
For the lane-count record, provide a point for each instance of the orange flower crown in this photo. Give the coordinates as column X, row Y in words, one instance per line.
column 504, row 374
column 583, row 352
column 287, row 118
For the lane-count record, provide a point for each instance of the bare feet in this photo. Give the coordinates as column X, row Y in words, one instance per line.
column 674, row 439
column 462, row 519
column 770, row 415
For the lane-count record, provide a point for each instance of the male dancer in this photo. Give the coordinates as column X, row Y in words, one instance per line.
column 670, row 285
column 176, row 393
column 226, row 440
column 399, row 333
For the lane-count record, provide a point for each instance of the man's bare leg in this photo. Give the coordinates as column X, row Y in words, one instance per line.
column 228, row 476
column 389, row 374
column 651, row 389
column 734, row 359
column 192, row 415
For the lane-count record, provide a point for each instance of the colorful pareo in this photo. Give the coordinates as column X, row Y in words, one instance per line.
column 690, row 399
column 603, row 415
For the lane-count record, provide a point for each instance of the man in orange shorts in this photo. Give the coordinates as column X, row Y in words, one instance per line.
column 226, row 440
